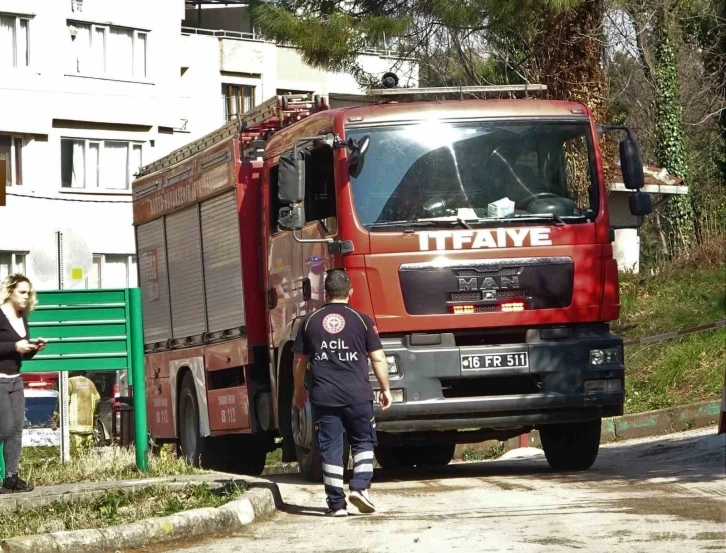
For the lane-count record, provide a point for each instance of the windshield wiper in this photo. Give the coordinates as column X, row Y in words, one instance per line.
column 412, row 223
column 539, row 216
column 418, row 223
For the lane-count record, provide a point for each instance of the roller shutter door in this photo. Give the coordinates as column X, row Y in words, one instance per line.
column 222, row 263
column 186, row 282
column 154, row 281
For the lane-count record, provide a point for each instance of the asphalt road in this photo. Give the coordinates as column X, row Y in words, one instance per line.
column 660, row 495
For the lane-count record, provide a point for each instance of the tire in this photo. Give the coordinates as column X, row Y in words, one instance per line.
column 191, row 443
column 309, row 459
column 99, row 434
column 248, row 454
column 289, row 452
column 572, row 446
column 308, row 456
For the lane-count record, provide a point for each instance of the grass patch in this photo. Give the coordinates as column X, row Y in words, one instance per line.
column 116, row 507
column 42, row 466
column 496, row 450
column 274, row 458
column 681, row 371
column 676, row 298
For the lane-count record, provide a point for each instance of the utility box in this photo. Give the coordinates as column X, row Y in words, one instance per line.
column 626, row 247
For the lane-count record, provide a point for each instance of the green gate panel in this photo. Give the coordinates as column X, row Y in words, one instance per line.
column 79, row 331
column 93, row 330
column 86, row 330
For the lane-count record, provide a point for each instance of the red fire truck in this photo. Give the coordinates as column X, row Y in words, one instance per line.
column 475, row 233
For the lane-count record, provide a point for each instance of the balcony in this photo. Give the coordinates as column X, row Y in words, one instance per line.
column 239, row 35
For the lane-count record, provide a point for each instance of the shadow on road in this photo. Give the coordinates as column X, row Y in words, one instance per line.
column 694, row 459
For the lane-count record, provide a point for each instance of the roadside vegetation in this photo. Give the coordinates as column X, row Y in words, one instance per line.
column 42, row 466
column 680, row 294
column 115, row 507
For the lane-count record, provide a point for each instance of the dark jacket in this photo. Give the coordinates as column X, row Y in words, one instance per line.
column 10, row 360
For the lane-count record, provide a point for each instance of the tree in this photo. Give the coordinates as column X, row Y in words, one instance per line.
column 331, row 33
column 659, row 28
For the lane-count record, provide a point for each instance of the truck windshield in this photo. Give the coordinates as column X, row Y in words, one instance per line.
column 476, row 173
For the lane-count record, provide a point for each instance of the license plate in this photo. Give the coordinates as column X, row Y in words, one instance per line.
column 495, row 361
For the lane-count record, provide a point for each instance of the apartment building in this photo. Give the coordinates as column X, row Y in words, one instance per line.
column 84, row 89
column 92, row 89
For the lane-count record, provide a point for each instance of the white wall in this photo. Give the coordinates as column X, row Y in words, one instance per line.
column 182, row 90
column 212, row 61
column 49, row 99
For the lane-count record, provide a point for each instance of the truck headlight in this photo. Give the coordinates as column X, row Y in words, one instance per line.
column 606, row 356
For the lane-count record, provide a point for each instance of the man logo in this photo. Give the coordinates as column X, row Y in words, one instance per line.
column 334, row 323
column 488, row 283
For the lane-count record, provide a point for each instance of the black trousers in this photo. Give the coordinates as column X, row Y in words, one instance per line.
column 12, row 418
column 359, row 425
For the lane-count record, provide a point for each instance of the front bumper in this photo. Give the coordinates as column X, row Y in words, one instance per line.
column 439, row 395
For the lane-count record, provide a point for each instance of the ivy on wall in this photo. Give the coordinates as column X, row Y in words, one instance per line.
column 670, row 147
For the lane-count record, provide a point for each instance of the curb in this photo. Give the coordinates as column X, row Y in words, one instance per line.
column 627, row 427
column 261, row 499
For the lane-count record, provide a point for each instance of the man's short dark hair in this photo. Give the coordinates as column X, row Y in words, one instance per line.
column 337, row 285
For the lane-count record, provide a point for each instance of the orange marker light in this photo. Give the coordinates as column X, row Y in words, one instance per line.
column 463, row 309
column 514, row 306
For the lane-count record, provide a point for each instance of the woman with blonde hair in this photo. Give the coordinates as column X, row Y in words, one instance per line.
column 17, row 300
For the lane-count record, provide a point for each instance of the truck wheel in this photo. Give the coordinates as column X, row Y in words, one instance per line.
column 248, row 454
column 191, row 442
column 307, row 448
column 306, row 444
column 434, row 456
column 394, row 457
column 571, row 446
column 289, row 453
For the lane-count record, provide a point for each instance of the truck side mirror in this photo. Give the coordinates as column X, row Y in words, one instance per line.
column 640, row 204
column 631, row 165
column 357, row 154
column 291, row 177
column 292, row 218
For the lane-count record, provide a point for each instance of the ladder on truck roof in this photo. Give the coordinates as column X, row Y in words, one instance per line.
column 271, row 115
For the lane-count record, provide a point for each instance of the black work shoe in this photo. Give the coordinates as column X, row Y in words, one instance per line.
column 13, row 484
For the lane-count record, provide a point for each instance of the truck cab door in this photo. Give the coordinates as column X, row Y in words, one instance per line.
column 284, row 281
column 321, row 222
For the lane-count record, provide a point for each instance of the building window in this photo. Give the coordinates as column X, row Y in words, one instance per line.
column 11, row 150
column 109, row 51
column 14, row 41
column 11, row 262
column 113, row 271
column 99, row 164
column 238, row 99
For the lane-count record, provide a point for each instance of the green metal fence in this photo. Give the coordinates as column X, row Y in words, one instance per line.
column 93, row 330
